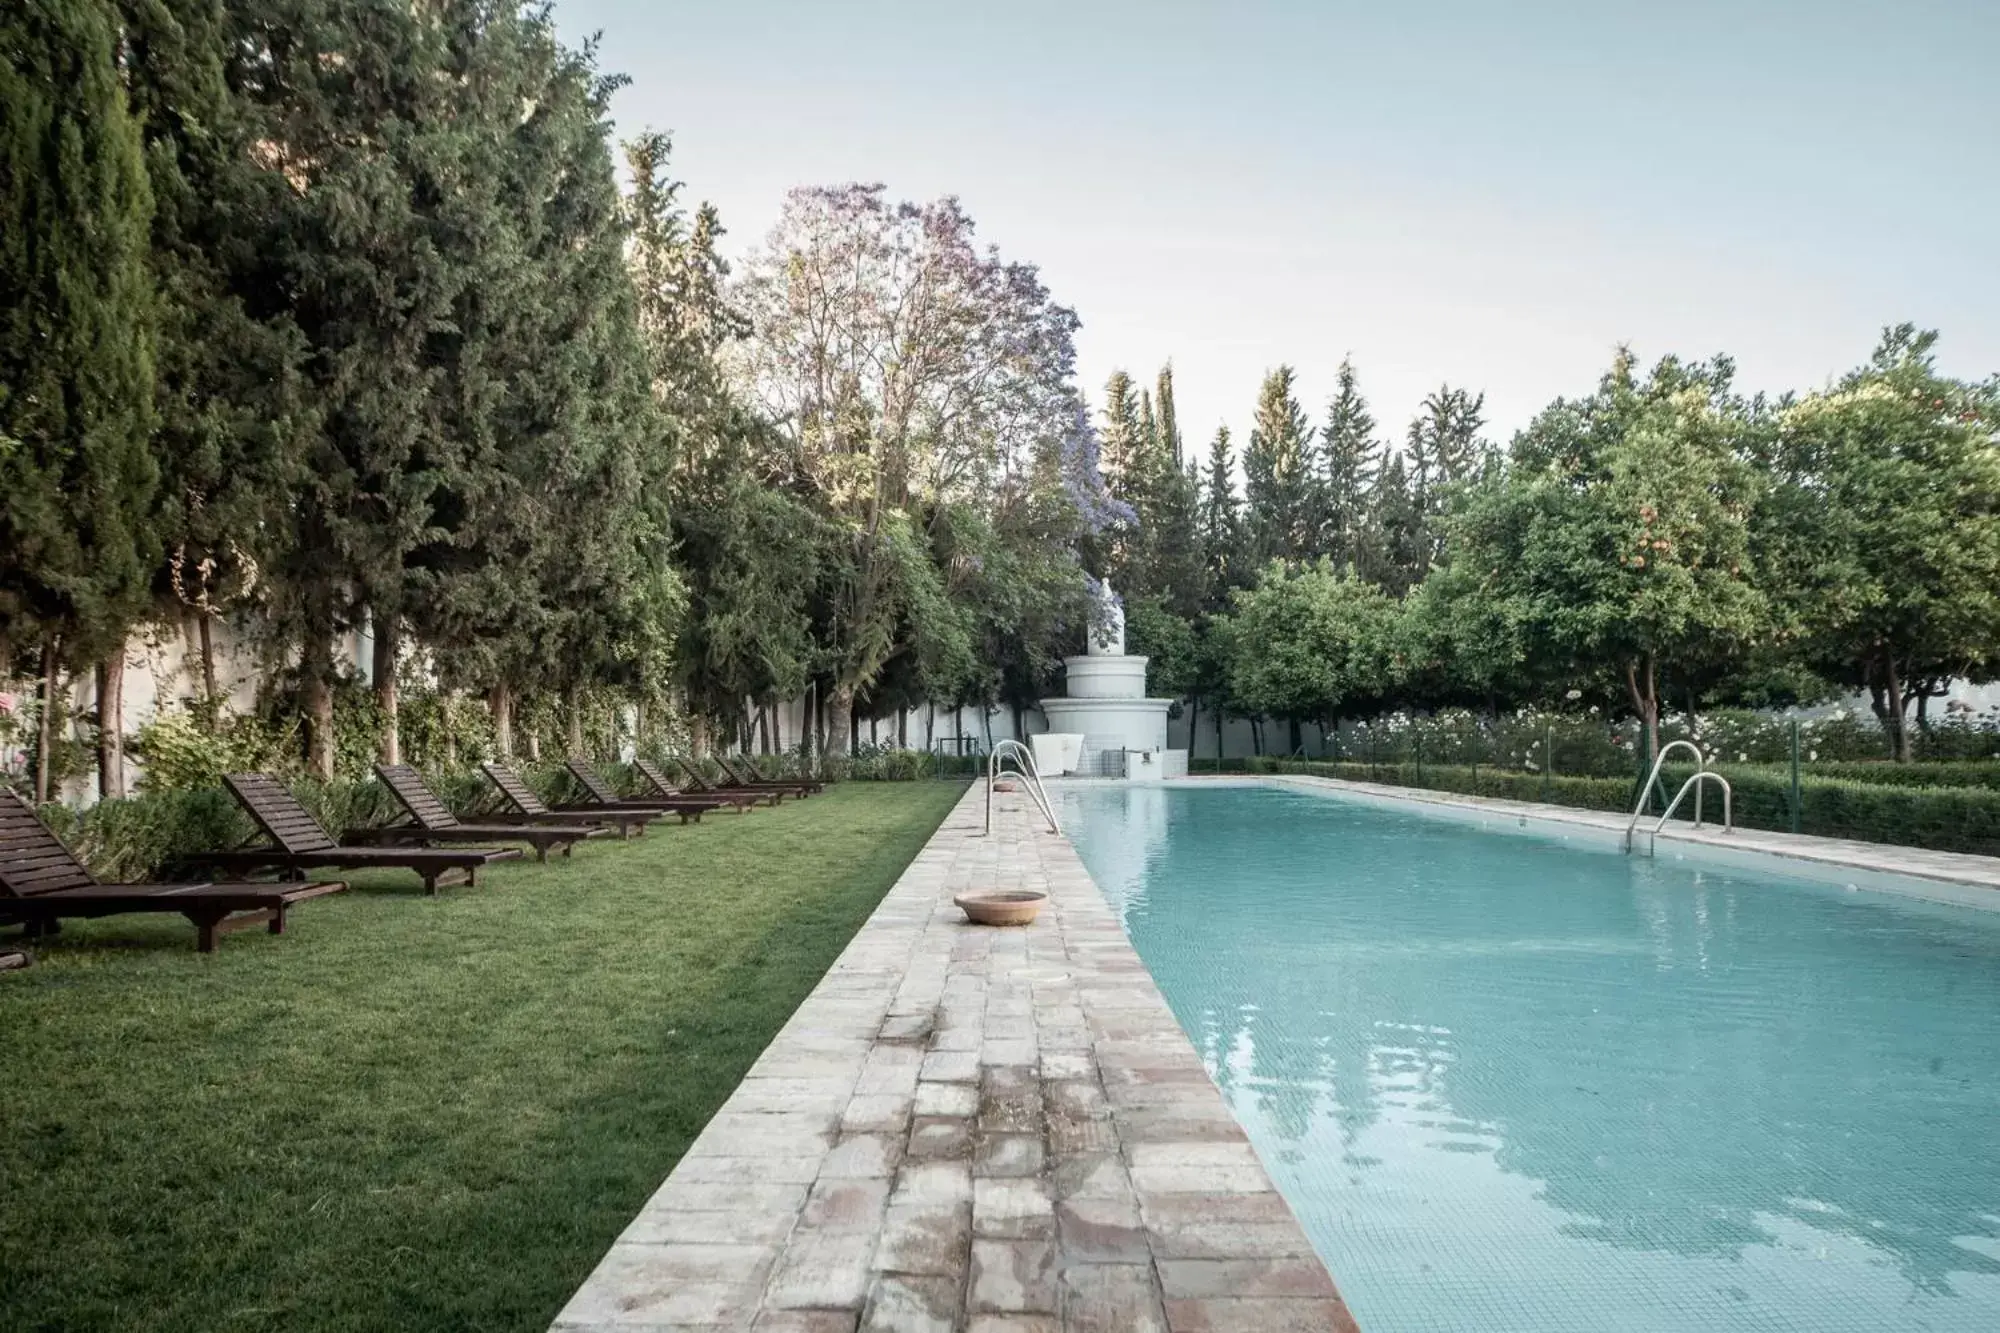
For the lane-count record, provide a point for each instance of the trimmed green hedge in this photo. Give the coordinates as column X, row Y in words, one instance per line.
column 1950, row 819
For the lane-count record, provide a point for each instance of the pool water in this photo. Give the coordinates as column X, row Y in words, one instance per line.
column 1512, row 1084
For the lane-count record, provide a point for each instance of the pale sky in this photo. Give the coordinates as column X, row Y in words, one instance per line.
column 1490, row 194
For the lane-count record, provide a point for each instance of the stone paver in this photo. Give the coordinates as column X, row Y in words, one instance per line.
column 969, row 1129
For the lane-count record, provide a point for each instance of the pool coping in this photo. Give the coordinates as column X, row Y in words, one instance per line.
column 973, row 1130
column 1957, row 878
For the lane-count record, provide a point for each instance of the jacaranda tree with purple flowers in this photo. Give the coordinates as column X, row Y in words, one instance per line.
column 916, row 378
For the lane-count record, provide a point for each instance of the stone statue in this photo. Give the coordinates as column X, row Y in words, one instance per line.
column 1107, row 636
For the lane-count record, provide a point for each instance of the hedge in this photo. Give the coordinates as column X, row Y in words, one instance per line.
column 1947, row 819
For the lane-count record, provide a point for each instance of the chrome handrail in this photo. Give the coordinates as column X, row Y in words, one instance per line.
column 1681, row 795
column 1653, row 778
column 1024, row 764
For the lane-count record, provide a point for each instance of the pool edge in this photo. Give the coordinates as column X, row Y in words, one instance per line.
column 1953, row 878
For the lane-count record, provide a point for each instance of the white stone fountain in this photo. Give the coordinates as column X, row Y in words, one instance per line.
column 1104, row 726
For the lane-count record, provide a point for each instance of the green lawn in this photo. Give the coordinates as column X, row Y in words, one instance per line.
column 409, row 1113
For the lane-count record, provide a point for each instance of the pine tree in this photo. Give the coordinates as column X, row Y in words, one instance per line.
column 1276, row 481
column 1445, row 449
column 1221, row 523
column 1397, row 551
column 78, row 483
column 1350, row 457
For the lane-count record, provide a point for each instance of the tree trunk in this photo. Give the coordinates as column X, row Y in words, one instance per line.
column 1257, row 736
column 1194, row 722
column 840, row 719
column 190, row 650
column 763, row 729
column 534, row 747
column 1899, row 733
column 111, row 725
column 575, row 722
column 1218, row 740
column 316, row 698
column 1646, row 705
column 205, row 627
column 500, row 702
column 930, row 725
column 1298, row 739
column 1020, row 724
column 902, row 728
column 387, row 634
column 45, row 726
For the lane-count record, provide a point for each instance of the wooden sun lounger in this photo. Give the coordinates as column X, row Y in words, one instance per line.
column 801, row 787
column 709, row 789
column 299, row 842
column 527, row 807
column 41, row 883
column 604, row 797
column 742, row 800
column 430, row 822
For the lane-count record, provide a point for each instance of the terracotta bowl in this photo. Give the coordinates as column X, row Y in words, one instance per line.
column 1003, row 785
column 1001, row 907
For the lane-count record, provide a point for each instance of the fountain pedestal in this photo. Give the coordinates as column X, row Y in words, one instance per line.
column 1123, row 733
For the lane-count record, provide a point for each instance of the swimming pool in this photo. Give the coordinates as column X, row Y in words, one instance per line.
column 1512, row 1084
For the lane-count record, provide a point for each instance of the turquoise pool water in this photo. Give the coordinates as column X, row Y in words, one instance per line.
column 1510, row 1084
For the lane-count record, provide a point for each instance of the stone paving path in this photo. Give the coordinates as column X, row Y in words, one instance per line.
column 971, row 1130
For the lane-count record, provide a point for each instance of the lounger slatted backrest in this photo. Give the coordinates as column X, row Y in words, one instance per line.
column 695, row 775
column 651, row 772
column 279, row 813
column 408, row 787
column 32, row 859
column 518, row 793
column 593, row 782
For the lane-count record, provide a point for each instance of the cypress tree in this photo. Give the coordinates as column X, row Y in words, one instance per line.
column 229, row 399
column 78, row 483
column 1169, row 423
column 1120, row 439
column 1170, row 555
column 527, row 498
column 362, row 114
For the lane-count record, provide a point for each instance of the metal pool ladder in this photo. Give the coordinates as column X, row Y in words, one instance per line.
column 1024, row 764
column 1702, row 773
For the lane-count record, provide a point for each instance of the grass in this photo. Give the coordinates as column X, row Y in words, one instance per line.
column 409, row 1112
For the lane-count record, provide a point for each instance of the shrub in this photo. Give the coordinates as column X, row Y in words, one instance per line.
column 187, row 749
column 136, row 839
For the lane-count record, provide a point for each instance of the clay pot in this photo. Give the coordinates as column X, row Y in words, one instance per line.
column 1004, row 785
column 1001, row 907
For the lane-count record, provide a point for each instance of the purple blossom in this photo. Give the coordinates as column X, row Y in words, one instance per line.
column 1083, row 477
